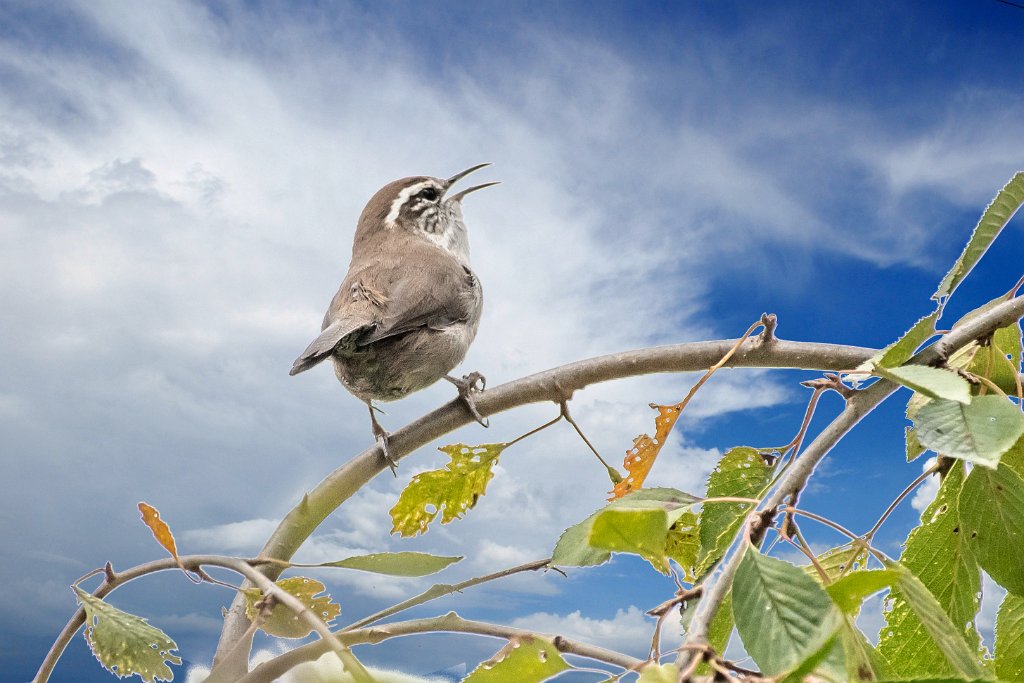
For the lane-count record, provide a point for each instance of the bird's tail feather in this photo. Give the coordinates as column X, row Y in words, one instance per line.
column 323, row 346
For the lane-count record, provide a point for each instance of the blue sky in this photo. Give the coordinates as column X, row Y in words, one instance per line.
column 178, row 188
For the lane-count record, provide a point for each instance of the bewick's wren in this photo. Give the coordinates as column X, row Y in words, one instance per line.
column 409, row 307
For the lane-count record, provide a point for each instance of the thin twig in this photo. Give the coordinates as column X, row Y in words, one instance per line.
column 989, row 383
column 717, row 366
column 892, row 506
column 450, row 623
column 114, row 580
column 801, row 546
column 879, row 555
column 716, row 587
column 532, row 431
column 441, row 590
column 547, row 386
column 568, row 418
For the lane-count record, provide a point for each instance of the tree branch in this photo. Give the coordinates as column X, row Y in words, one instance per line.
column 555, row 385
column 859, row 405
column 448, row 623
column 441, row 590
column 193, row 563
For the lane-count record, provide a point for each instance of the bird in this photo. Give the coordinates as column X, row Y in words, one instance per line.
column 410, row 305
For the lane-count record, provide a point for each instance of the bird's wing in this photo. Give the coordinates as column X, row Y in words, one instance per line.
column 323, row 346
column 428, row 292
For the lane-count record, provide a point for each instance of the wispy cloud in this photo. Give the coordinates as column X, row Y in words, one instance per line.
column 178, row 191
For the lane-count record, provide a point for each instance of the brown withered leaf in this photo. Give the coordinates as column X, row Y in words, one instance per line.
column 640, row 458
column 161, row 532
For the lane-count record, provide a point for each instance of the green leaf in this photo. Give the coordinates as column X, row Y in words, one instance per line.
column 985, row 361
column 1009, row 647
column 664, row 505
column 683, row 544
column 914, row 447
column 658, row 673
column 283, row 622
column 638, row 532
column 995, row 217
column 782, row 615
column 125, row 644
column 396, row 564
column 932, row 382
column 944, row 633
column 573, row 550
column 1004, row 373
column 741, row 473
column 903, row 350
column 798, row 673
column 719, row 631
column 1014, row 458
column 525, row 659
column 934, row 680
column 979, row 432
column 450, row 491
column 850, row 591
column 839, row 561
column 938, row 552
column 863, row 662
column 992, row 514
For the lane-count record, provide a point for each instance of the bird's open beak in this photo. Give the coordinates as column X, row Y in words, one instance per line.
column 458, row 197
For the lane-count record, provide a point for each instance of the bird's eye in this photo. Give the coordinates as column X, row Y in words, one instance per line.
column 430, row 194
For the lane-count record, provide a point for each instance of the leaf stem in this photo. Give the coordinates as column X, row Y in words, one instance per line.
column 568, row 417
column 859, row 405
column 899, row 499
column 879, row 555
column 441, row 590
column 533, row 431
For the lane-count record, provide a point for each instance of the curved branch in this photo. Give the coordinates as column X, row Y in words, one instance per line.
column 450, row 623
column 555, row 385
column 859, row 405
column 440, row 590
column 193, row 563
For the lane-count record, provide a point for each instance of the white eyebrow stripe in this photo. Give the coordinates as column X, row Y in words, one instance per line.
column 403, row 196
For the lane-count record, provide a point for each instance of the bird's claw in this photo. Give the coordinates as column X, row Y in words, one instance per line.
column 383, row 439
column 472, row 383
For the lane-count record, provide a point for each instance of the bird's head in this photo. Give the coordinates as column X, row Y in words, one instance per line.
column 421, row 206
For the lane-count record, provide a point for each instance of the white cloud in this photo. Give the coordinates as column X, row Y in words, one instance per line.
column 926, row 492
column 245, row 538
column 992, row 595
column 628, row 631
column 178, row 202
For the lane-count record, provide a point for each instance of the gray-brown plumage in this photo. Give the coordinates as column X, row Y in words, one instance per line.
column 410, row 304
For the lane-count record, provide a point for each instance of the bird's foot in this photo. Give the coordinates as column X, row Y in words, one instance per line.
column 470, row 384
column 383, row 439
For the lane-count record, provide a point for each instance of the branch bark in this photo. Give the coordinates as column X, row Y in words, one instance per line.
column 555, row 385
column 859, row 405
column 448, row 623
column 194, row 563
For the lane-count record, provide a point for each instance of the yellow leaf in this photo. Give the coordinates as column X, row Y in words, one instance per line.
column 450, row 491
column 161, row 532
column 640, row 458
column 283, row 622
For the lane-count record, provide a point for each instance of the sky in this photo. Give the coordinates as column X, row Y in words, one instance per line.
column 179, row 185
